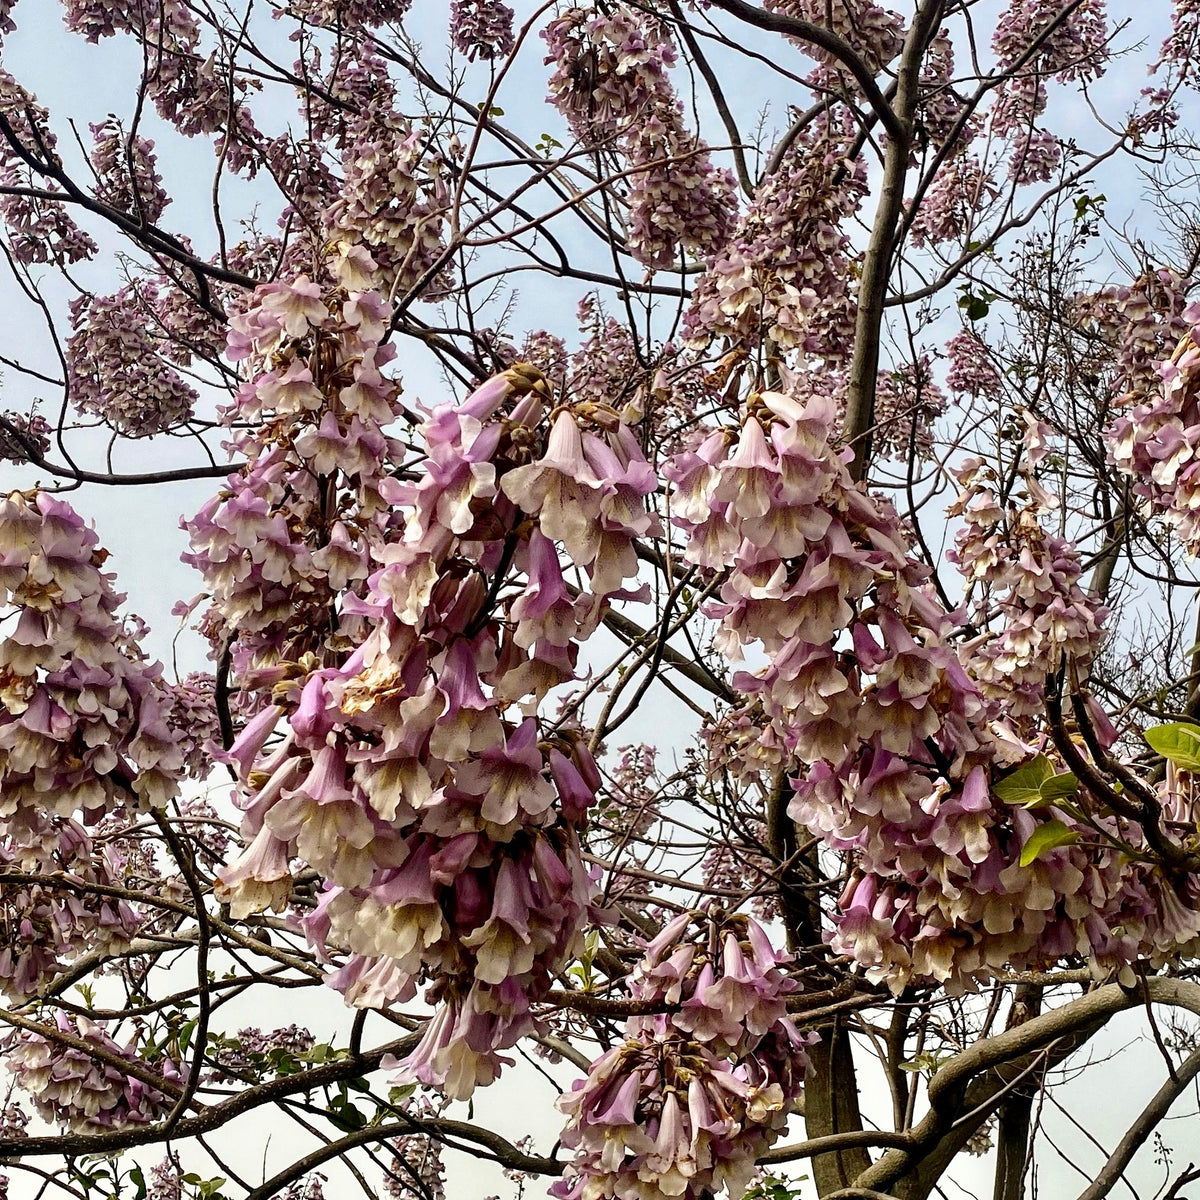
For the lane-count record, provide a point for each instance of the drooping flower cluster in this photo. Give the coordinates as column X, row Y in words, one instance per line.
column 1036, row 157
column 417, row 1171
column 83, row 733
column 610, row 70
column 954, row 203
column 907, row 402
column 691, row 1097
column 192, row 717
column 969, row 367
column 82, row 727
column 481, row 28
column 1142, row 322
column 126, row 172
column 416, row 777
column 21, row 434
column 876, row 33
column 1178, row 50
column 611, row 83
column 1156, row 442
column 1034, row 40
column 939, row 108
column 351, row 14
column 306, row 519
column 785, row 274
column 809, row 557
column 50, row 923
column 1029, row 578
column 40, row 228
column 898, row 745
column 96, row 19
column 73, row 1090
column 1037, row 35
column 193, row 90
column 255, row 1052
column 386, row 223
column 115, row 371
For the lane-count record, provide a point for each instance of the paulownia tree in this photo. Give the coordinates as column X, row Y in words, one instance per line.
column 695, row 590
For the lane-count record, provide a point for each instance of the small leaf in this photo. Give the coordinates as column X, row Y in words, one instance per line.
column 1046, row 837
column 1059, row 787
column 1178, row 742
column 1024, row 785
column 185, row 1035
column 346, row 1117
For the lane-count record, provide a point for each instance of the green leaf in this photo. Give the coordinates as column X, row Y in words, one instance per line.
column 185, row 1035
column 1178, row 742
column 139, row 1181
column 1059, row 787
column 1046, row 837
column 1024, row 785
column 345, row 1116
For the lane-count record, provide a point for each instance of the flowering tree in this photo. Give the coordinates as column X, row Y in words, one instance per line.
column 770, row 683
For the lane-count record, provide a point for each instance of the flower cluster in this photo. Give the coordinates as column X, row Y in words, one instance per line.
column 350, row 14
column 253, row 1051
column 307, row 517
column 96, row 19
column 691, row 1097
column 895, row 739
column 115, row 372
column 73, row 1090
column 40, row 228
column 481, row 28
column 939, row 108
column 907, row 402
column 52, row 922
column 415, row 777
column 1179, row 47
column 417, row 1171
column 82, row 727
column 876, row 33
column 1142, row 322
column 386, row 224
column 21, row 433
column 1157, row 442
column 677, row 198
column 83, row 733
column 1036, row 156
column 1070, row 47
column 955, row 202
column 969, row 367
column 610, row 82
column 785, row 274
column 610, row 70
column 192, row 717
column 192, row 90
column 126, row 172
column 1028, row 578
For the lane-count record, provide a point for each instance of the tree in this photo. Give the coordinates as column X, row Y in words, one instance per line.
column 777, row 687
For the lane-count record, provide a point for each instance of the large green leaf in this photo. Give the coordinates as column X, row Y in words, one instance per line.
column 1046, row 837
column 1178, row 742
column 1024, row 785
column 1059, row 787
